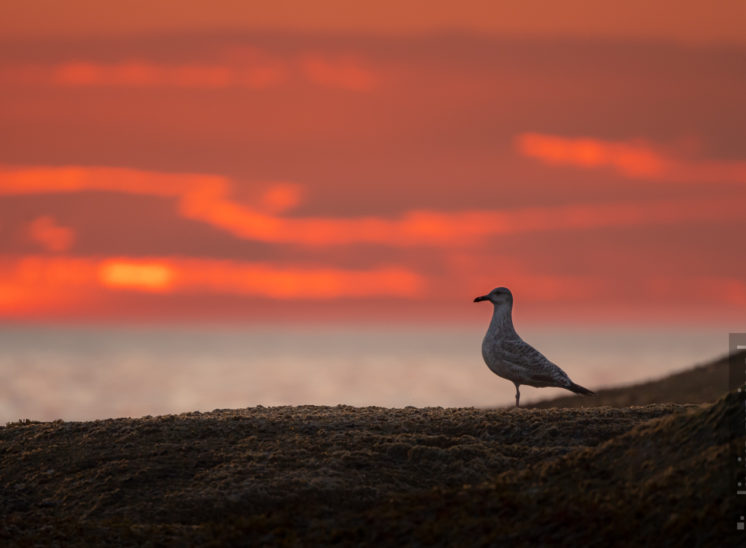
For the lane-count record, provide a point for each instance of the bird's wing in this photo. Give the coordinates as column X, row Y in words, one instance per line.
column 534, row 365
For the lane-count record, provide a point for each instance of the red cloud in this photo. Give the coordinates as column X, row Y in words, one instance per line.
column 636, row 159
column 252, row 71
column 148, row 74
column 36, row 283
column 51, row 236
column 206, row 198
column 281, row 197
column 143, row 275
column 633, row 159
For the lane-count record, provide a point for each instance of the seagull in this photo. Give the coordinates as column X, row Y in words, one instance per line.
column 510, row 357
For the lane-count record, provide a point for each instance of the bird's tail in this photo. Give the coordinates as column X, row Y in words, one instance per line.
column 579, row 389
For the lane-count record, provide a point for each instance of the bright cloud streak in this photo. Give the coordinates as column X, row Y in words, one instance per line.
column 41, row 282
column 206, row 198
column 635, row 159
column 30, row 285
column 294, row 282
column 281, row 197
column 147, row 74
column 145, row 276
column 255, row 71
column 632, row 159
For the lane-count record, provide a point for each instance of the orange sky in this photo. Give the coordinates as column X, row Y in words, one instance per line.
column 678, row 20
column 219, row 163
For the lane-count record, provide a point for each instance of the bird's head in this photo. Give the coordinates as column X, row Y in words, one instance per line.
column 498, row 296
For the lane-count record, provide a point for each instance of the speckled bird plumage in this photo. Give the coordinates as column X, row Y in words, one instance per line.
column 510, row 357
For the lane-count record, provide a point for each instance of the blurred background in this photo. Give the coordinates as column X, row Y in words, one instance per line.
column 225, row 204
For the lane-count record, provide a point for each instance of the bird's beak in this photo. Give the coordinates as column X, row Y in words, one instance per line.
column 482, row 298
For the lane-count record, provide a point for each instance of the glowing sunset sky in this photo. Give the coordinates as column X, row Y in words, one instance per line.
column 211, row 161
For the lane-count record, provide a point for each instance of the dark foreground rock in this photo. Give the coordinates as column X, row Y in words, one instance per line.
column 293, row 475
column 664, row 483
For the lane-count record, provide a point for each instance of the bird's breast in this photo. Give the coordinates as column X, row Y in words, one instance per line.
column 492, row 355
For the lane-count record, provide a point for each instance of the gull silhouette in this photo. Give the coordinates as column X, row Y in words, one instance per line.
column 510, row 357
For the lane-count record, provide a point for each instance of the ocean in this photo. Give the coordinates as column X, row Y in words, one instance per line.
column 93, row 372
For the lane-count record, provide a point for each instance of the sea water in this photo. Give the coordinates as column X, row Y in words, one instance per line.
column 84, row 372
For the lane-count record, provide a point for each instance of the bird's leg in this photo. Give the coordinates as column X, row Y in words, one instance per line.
column 517, row 396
